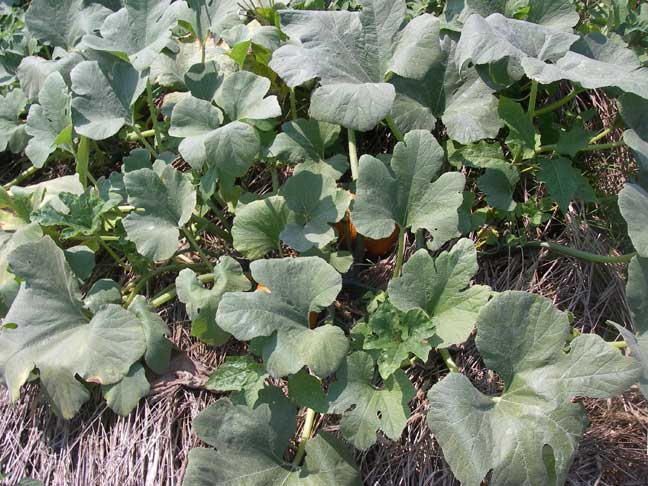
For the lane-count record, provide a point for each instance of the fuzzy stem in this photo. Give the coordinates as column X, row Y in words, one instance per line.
column 275, row 178
column 134, row 137
column 618, row 344
column 601, row 135
column 449, row 362
column 26, row 174
column 83, row 160
column 557, row 104
column 581, row 255
column 112, row 254
column 353, row 154
column 171, row 292
column 293, row 104
column 402, row 235
column 154, row 114
column 220, row 215
column 145, row 142
column 304, row 436
column 533, row 96
column 394, row 129
column 196, row 247
column 590, row 148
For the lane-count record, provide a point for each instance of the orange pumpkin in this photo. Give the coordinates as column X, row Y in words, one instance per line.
column 374, row 248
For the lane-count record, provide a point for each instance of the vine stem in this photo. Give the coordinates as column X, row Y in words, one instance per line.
column 353, row 154
column 449, row 362
column 134, row 137
column 557, row 104
column 533, row 97
column 402, row 235
column 275, row 179
column 145, row 142
column 171, row 292
column 196, row 247
column 112, row 254
column 590, row 148
column 618, row 344
column 23, row 176
column 601, row 135
column 82, row 156
column 304, row 436
column 581, row 255
column 293, row 104
column 154, row 114
column 394, row 129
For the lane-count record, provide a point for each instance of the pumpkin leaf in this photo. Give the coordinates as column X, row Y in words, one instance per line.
column 521, row 337
column 297, row 286
column 633, row 203
column 258, row 225
column 12, row 132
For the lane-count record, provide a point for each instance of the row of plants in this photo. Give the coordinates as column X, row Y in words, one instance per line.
column 219, row 143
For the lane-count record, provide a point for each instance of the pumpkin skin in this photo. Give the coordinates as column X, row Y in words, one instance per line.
column 313, row 317
column 374, row 248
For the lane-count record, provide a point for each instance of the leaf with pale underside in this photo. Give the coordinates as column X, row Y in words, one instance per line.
column 202, row 303
column 62, row 23
column 637, row 296
column 47, row 120
column 297, row 286
column 242, row 96
column 409, row 192
column 530, row 433
column 12, row 130
column 215, row 16
column 166, row 201
column 633, row 203
column 352, row 53
column 54, row 334
column 122, row 397
column 138, row 32
column 258, row 225
column 307, row 142
column 33, row 71
column 365, row 408
column 464, row 102
column 441, row 287
column 250, row 446
column 525, row 46
column 103, row 98
column 315, row 203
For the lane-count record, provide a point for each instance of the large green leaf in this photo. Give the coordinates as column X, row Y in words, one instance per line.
column 441, row 287
column 258, row 225
column 352, row 53
column 193, row 120
column 138, row 32
column 391, row 335
column 596, row 62
column 563, row 181
column 633, row 203
column 530, row 433
column 103, row 98
column 202, row 303
column 526, row 47
column 306, row 142
column 463, row 101
column 12, row 131
column 366, row 408
column 637, row 296
column 166, row 202
column 251, row 445
column 215, row 16
column 297, row 286
column 9, row 242
column 315, row 203
column 54, row 334
column 33, row 71
column 401, row 193
column 62, row 23
column 122, row 397
column 158, row 347
column 242, row 96
column 240, row 374
column 48, row 119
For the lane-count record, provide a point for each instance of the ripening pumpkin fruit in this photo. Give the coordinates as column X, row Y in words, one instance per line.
column 374, row 248
column 313, row 317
